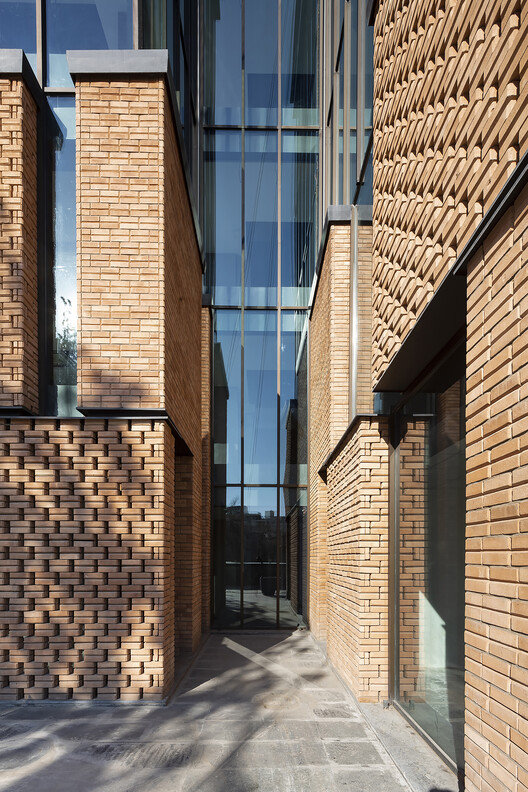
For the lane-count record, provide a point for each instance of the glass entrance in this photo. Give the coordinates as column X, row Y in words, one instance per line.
column 429, row 558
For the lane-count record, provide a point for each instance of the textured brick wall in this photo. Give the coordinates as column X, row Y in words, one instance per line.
column 18, row 247
column 329, row 397
column 497, row 509
column 364, row 319
column 87, row 559
column 206, row 467
column 450, row 110
column 357, row 635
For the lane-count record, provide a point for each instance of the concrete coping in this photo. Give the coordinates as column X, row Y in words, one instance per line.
column 14, row 64
column 109, row 64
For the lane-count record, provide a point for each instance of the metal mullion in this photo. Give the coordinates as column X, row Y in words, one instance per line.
column 279, row 293
column 135, row 24
column 360, row 112
column 242, row 300
column 40, row 36
column 346, row 105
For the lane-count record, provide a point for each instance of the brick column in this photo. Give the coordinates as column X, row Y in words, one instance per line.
column 18, row 235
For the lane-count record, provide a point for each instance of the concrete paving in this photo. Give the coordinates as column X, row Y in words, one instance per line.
column 260, row 712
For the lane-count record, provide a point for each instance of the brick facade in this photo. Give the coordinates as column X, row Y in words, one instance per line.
column 18, row 247
column 450, row 90
column 358, row 558
column 497, row 509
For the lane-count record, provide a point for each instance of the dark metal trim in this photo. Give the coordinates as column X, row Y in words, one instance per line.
column 147, row 63
column 16, row 412
column 372, row 10
column 344, row 437
column 504, row 200
column 96, row 413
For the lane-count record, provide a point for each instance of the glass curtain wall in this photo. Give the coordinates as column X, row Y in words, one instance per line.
column 429, row 559
column 347, row 89
column 260, row 193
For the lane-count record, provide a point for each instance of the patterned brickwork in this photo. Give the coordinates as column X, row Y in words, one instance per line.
column 357, row 637
column 87, row 544
column 18, row 247
column 450, row 112
column 497, row 509
column 329, row 396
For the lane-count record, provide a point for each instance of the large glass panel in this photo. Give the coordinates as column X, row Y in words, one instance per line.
column 353, row 165
column 18, row 28
column 260, row 397
column 299, row 62
column 84, row 24
column 293, row 398
column 353, row 62
column 260, row 557
column 369, row 75
column 261, row 229
column 261, row 48
column 431, row 560
column 223, row 215
column 298, row 215
column 227, row 409
column 227, row 538
column 293, row 557
column 63, row 311
column 222, row 62
column 365, row 193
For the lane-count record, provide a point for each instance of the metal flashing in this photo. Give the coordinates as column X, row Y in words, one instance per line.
column 13, row 63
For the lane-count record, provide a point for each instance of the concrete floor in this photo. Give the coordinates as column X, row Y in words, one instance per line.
column 259, row 712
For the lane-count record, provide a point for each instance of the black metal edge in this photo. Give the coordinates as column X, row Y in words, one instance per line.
column 343, row 439
column 13, row 63
column 504, row 200
column 123, row 63
column 335, row 215
column 441, row 319
column 16, row 412
column 372, row 10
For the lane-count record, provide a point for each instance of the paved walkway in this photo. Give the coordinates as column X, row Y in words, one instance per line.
column 256, row 712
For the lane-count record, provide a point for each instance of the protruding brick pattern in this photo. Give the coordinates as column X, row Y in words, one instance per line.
column 87, row 559
column 329, row 397
column 18, row 247
column 497, row 508
column 358, row 560
column 450, row 105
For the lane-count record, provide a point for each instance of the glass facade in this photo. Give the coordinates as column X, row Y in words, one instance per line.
column 429, row 562
column 260, row 199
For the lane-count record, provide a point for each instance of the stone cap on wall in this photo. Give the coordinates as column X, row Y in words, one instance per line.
column 110, row 64
column 13, row 63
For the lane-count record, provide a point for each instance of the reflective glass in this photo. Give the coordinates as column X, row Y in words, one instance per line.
column 223, row 215
column 369, row 75
column 260, row 397
column 227, row 537
column 293, row 398
column 353, row 62
column 299, row 163
column 84, row 24
column 299, row 62
column 260, row 206
column 227, row 409
column 365, row 193
column 223, row 62
column 18, row 28
column 261, row 48
column 353, row 165
column 154, row 24
column 340, row 167
column 260, row 557
column 293, row 557
column 64, row 309
column 431, row 562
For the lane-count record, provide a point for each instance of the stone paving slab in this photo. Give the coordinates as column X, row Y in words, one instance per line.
column 261, row 712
